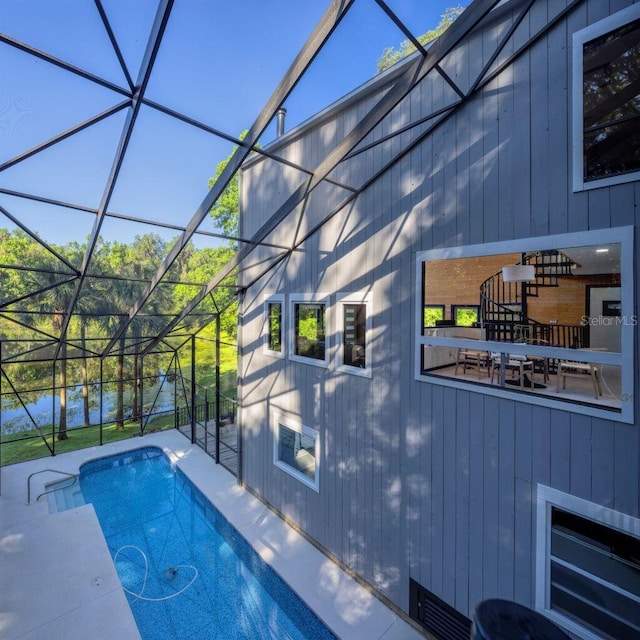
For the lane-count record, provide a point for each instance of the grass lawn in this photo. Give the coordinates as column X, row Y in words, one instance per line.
column 34, row 447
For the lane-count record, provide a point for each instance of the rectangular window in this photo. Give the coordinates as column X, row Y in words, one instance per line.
column 309, row 331
column 296, row 450
column 274, row 325
column 589, row 574
column 607, row 101
column 309, row 322
column 353, row 312
column 353, row 332
column 542, row 330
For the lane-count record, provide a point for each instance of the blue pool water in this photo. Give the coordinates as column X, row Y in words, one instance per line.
column 192, row 573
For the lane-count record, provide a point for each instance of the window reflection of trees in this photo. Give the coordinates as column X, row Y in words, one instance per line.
column 612, row 103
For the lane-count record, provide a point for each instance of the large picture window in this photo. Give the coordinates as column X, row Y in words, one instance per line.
column 588, row 559
column 309, row 329
column 548, row 320
column 606, row 96
column 297, row 450
column 353, row 334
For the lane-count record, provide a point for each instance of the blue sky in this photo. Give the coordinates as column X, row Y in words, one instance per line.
column 219, row 63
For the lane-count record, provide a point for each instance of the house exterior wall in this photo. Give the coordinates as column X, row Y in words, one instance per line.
column 418, row 479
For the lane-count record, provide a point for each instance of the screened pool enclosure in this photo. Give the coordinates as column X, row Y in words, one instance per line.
column 124, row 132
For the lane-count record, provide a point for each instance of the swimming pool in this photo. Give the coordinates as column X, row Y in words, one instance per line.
column 186, row 571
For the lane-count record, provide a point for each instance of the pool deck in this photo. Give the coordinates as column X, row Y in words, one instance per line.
column 57, row 580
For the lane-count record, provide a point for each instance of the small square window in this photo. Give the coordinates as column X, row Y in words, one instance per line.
column 296, row 450
column 465, row 315
column 433, row 314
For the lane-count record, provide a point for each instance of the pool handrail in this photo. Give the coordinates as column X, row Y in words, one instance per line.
column 44, row 493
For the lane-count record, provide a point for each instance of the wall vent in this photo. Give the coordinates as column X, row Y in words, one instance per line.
column 435, row 615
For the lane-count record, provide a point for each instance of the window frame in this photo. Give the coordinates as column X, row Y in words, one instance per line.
column 625, row 359
column 593, row 31
column 277, row 298
column 366, row 299
column 547, row 498
column 280, row 419
column 308, row 298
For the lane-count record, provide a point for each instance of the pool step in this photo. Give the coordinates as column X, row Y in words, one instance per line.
column 67, row 497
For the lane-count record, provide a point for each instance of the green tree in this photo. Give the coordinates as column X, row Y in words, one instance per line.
column 136, row 261
column 390, row 55
column 53, row 301
column 225, row 210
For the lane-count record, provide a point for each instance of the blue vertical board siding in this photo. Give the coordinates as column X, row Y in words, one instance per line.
column 491, row 485
column 559, row 128
column 461, row 523
column 581, row 450
column 420, row 480
column 521, row 133
column 622, row 205
column 437, row 491
column 476, row 498
column 449, row 429
column 540, row 155
column 561, row 451
column 506, row 501
column 626, row 486
column 602, row 462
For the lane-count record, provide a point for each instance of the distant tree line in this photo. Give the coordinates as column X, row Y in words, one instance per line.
column 391, row 56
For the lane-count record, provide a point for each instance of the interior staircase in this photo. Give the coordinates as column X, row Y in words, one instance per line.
column 503, row 305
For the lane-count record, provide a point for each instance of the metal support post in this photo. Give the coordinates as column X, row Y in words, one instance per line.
column 238, row 419
column 53, row 409
column 101, row 399
column 193, row 389
column 175, row 389
column 217, row 373
column 0, row 417
column 140, row 406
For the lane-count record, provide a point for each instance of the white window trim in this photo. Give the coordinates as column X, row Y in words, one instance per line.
column 278, row 297
column 360, row 297
column 547, row 498
column 587, row 34
column 320, row 298
column 624, row 359
column 280, row 419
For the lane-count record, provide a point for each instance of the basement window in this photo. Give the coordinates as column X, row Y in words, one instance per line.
column 547, row 320
column 588, row 559
column 296, row 450
column 606, row 101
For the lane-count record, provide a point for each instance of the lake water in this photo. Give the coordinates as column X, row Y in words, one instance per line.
column 15, row 419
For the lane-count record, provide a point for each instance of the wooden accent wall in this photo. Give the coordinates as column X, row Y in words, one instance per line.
column 458, row 280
